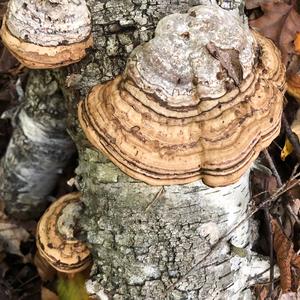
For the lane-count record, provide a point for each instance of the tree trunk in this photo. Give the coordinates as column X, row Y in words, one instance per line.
column 152, row 242
column 146, row 238
column 38, row 150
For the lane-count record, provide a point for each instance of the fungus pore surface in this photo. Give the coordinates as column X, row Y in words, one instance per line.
column 198, row 101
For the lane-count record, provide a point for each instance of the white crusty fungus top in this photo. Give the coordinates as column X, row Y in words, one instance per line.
column 183, row 59
column 49, row 22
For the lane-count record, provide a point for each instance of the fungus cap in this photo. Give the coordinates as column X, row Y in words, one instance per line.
column 199, row 101
column 55, row 240
column 44, row 34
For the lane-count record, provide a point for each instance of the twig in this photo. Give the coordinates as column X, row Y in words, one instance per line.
column 155, row 199
column 295, row 168
column 279, row 181
column 268, row 220
column 280, row 191
column 26, row 282
column 272, row 167
column 292, row 213
column 278, row 146
column 291, row 136
column 270, row 233
column 289, row 208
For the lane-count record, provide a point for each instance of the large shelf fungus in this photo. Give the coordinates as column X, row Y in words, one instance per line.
column 45, row 34
column 198, row 101
column 56, row 242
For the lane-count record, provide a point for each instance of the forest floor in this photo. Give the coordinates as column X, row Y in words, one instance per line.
column 19, row 276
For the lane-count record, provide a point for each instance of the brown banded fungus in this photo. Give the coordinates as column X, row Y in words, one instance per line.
column 45, row 34
column 55, row 236
column 198, row 101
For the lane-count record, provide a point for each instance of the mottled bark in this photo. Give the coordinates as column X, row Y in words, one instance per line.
column 145, row 238
column 38, row 150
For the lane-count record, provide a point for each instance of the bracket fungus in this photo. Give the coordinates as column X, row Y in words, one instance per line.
column 198, row 101
column 44, row 34
column 55, row 236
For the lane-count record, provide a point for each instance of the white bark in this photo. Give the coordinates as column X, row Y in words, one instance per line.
column 145, row 238
column 38, row 150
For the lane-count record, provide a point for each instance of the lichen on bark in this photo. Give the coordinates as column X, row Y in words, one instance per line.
column 144, row 238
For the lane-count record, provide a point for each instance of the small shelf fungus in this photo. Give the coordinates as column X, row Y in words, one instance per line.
column 44, row 34
column 198, row 101
column 55, row 236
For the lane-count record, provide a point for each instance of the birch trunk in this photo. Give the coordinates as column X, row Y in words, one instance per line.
column 155, row 242
column 38, row 150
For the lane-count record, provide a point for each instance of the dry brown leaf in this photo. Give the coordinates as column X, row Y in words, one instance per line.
column 290, row 214
column 280, row 22
column 250, row 4
column 229, row 60
column 290, row 296
column 297, row 43
column 261, row 292
column 12, row 235
column 284, row 252
column 46, row 272
column 7, row 60
column 296, row 261
column 288, row 147
column 295, row 206
column 286, row 256
column 3, row 5
column 48, row 295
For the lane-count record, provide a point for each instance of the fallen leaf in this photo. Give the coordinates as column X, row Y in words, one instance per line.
column 46, row 272
column 229, row 60
column 7, row 291
column 297, row 43
column 286, row 256
column 3, row 6
column 290, row 296
column 288, row 147
column 279, row 22
column 46, row 294
column 295, row 205
column 12, row 235
column 283, row 249
column 262, row 292
column 286, row 150
column 250, row 4
column 289, row 215
column 7, row 60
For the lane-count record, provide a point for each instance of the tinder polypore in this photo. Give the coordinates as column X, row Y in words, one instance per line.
column 55, row 238
column 44, row 34
column 198, row 101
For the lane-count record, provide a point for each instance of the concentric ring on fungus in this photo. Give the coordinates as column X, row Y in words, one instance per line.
column 64, row 253
column 163, row 131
